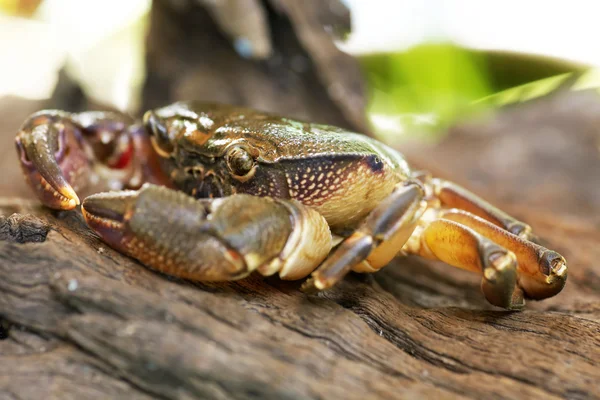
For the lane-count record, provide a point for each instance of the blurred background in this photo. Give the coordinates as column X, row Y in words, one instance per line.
column 426, row 62
column 403, row 71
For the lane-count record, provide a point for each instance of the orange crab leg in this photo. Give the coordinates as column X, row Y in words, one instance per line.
column 452, row 195
column 542, row 272
column 463, row 247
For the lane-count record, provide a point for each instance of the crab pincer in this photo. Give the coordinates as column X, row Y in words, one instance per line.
column 52, row 158
column 210, row 239
column 62, row 154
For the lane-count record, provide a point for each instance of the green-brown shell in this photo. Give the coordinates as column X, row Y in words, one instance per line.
column 341, row 174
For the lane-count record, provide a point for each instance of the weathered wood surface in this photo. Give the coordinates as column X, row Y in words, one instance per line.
column 88, row 322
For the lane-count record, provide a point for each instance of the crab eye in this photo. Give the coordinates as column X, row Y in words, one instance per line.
column 240, row 162
column 159, row 134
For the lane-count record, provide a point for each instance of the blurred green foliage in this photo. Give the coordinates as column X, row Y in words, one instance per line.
column 419, row 92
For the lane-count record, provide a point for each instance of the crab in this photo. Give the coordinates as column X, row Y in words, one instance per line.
column 212, row 192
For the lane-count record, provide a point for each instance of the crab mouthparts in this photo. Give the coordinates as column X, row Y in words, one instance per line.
column 209, row 187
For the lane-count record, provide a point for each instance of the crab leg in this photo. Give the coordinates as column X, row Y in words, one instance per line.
column 462, row 247
column 452, row 195
column 542, row 272
column 376, row 241
column 210, row 239
column 62, row 154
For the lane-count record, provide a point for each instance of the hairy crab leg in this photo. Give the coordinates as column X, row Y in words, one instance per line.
column 210, row 239
column 542, row 272
column 62, row 154
column 376, row 241
column 462, row 247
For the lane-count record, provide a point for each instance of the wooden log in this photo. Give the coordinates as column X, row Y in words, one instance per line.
column 88, row 322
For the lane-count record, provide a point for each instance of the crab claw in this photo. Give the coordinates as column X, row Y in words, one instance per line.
column 164, row 229
column 52, row 158
column 210, row 239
